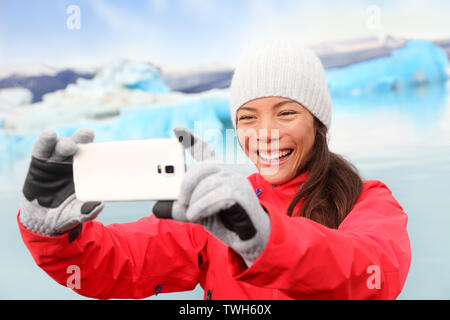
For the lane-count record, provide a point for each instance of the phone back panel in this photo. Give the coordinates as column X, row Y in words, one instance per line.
column 130, row 170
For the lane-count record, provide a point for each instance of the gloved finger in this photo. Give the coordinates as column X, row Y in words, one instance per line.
column 90, row 210
column 169, row 209
column 163, row 209
column 196, row 146
column 221, row 202
column 73, row 214
column 88, row 207
column 210, row 203
column 44, row 145
column 237, row 220
column 83, row 136
column 64, row 150
column 209, row 184
column 196, row 173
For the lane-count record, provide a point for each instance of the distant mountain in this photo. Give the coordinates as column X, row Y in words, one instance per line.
column 199, row 80
column 42, row 84
column 333, row 54
column 28, row 69
column 345, row 52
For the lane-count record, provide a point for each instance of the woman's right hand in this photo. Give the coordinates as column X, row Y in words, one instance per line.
column 48, row 203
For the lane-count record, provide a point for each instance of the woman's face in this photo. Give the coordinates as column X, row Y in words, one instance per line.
column 277, row 134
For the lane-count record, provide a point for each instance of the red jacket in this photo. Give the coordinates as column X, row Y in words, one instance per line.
column 302, row 259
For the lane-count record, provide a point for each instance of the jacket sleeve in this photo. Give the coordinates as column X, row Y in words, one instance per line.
column 129, row 260
column 367, row 257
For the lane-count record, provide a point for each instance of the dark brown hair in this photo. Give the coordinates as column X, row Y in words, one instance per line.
column 333, row 185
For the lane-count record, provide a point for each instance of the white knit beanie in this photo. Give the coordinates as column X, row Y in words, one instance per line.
column 284, row 68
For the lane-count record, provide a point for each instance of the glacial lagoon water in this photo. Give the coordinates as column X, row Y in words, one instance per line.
column 400, row 138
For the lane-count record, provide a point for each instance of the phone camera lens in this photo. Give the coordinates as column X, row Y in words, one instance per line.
column 169, row 169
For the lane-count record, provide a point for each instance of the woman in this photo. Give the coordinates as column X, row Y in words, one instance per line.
column 304, row 227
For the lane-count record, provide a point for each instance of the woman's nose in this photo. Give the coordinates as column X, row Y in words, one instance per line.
column 268, row 131
column 267, row 135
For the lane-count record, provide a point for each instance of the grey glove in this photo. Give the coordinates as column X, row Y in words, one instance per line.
column 48, row 203
column 221, row 200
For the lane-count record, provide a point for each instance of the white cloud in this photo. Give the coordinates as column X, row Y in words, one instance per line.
column 322, row 20
column 135, row 35
column 218, row 31
column 417, row 19
column 117, row 19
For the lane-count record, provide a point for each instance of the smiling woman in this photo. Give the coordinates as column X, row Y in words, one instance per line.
column 297, row 143
column 340, row 239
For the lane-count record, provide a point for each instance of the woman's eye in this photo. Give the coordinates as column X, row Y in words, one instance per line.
column 287, row 113
column 245, row 118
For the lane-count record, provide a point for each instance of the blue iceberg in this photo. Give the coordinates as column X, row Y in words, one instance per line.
column 129, row 100
column 418, row 62
column 203, row 112
column 121, row 74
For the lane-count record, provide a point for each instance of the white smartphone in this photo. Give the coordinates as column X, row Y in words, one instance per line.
column 130, row 170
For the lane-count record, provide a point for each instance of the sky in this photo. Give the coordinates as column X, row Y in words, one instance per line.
column 182, row 33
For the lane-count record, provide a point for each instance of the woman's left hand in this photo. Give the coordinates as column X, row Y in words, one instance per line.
column 224, row 202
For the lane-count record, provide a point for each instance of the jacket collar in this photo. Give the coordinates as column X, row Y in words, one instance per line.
column 292, row 184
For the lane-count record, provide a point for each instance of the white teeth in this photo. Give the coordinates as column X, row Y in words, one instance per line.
column 274, row 155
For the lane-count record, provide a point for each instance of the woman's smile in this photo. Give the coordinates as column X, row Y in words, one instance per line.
column 274, row 157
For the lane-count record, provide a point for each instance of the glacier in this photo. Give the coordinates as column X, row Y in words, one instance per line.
column 130, row 100
column 12, row 98
column 419, row 62
column 124, row 74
